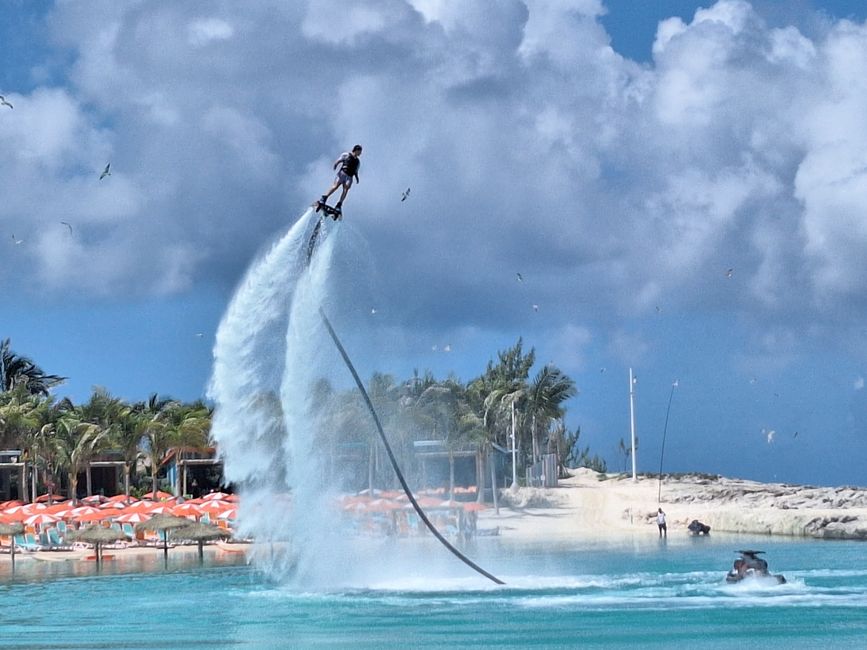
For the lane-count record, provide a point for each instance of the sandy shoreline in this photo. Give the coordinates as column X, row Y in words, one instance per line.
column 595, row 506
column 590, row 505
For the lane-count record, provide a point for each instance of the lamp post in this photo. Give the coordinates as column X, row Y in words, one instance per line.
column 514, row 453
column 632, row 381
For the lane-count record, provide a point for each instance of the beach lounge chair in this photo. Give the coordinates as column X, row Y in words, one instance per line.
column 27, row 542
column 54, row 542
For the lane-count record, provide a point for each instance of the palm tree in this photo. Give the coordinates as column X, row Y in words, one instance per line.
column 73, row 444
column 16, row 370
column 177, row 426
column 152, row 422
column 127, row 436
column 544, row 403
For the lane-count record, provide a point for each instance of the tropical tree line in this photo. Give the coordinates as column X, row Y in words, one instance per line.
column 481, row 415
column 59, row 438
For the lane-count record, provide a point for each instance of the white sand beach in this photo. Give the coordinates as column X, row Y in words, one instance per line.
column 592, row 505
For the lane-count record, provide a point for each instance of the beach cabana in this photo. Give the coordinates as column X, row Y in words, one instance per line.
column 199, row 533
column 97, row 535
column 10, row 530
column 162, row 523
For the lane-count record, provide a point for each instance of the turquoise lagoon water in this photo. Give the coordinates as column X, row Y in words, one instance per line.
column 411, row 594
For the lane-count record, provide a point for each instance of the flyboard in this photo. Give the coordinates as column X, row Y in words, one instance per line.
column 327, row 211
column 336, row 215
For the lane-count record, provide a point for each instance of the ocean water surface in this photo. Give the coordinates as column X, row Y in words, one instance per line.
column 411, row 594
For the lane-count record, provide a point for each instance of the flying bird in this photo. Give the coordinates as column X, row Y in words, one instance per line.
column 447, row 348
column 200, row 335
column 404, row 196
column 105, row 172
column 770, row 435
column 602, row 371
column 68, row 225
column 373, row 311
column 519, row 277
column 17, row 241
column 3, row 102
column 729, row 273
column 535, row 307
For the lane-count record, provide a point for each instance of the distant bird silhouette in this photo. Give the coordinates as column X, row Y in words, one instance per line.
column 770, row 435
column 535, row 307
column 519, row 277
column 373, row 311
column 3, row 102
column 658, row 309
column 795, row 435
column 68, row 225
column 447, row 348
column 17, row 241
column 105, row 172
column 199, row 335
column 601, row 371
column 729, row 273
column 404, row 196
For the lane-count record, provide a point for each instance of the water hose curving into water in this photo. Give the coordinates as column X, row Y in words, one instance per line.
column 393, row 460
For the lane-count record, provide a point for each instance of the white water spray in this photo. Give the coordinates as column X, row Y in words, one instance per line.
column 266, row 361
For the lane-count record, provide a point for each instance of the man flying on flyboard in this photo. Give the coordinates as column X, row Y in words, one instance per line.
column 349, row 163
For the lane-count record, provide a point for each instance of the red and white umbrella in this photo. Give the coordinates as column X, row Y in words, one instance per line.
column 187, row 509
column 50, row 497
column 40, row 518
column 215, row 507
column 216, row 495
column 140, row 506
column 132, row 517
column 97, row 515
column 157, row 496
column 75, row 513
column 231, row 513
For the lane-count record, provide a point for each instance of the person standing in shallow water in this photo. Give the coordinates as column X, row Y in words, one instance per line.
column 660, row 521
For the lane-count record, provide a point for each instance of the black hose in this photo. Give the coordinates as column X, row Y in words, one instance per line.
column 393, row 460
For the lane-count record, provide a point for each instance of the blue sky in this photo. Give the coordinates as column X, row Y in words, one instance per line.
column 620, row 155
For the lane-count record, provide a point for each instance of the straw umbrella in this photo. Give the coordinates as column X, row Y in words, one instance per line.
column 11, row 529
column 97, row 535
column 199, row 533
column 163, row 523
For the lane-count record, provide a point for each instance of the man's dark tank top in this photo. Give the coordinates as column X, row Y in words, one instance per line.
column 350, row 165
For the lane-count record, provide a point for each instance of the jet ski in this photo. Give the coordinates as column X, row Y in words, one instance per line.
column 750, row 566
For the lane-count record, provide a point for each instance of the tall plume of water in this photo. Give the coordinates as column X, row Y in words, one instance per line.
column 266, row 361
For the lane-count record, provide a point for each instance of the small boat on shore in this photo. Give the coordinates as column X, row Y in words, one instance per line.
column 749, row 566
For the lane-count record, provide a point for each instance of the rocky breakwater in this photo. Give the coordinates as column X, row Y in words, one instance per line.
column 736, row 505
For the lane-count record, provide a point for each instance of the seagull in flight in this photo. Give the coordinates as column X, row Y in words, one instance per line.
column 105, row 172
column 373, row 311
column 3, row 102
column 519, row 277
column 68, row 225
column 729, row 273
column 535, row 307
column 17, row 241
column 200, row 335
column 404, row 196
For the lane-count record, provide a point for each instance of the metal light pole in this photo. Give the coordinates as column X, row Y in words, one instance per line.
column 514, row 453
column 632, row 420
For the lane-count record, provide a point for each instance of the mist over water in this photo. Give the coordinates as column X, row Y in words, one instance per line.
column 269, row 354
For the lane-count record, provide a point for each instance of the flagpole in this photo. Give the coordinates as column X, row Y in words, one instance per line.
column 662, row 451
column 632, row 421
